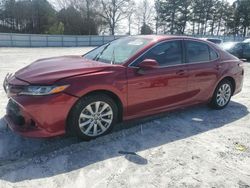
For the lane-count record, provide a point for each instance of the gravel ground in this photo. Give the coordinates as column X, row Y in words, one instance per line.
column 193, row 147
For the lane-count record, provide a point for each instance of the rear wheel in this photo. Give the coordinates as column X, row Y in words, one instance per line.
column 93, row 116
column 222, row 95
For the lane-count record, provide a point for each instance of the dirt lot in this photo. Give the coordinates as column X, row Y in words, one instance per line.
column 193, row 147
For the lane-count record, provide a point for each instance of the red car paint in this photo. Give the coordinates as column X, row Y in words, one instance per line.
column 139, row 95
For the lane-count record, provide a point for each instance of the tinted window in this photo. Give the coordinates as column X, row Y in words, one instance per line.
column 197, row 52
column 166, row 54
column 213, row 54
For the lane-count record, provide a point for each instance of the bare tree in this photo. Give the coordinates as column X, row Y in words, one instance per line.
column 129, row 22
column 130, row 17
column 114, row 11
column 146, row 12
column 145, row 16
column 63, row 4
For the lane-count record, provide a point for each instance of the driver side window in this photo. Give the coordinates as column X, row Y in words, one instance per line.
column 166, row 54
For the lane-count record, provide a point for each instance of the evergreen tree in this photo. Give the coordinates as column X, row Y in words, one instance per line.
column 146, row 30
column 243, row 13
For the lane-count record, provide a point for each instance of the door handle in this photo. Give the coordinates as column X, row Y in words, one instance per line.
column 180, row 72
column 219, row 67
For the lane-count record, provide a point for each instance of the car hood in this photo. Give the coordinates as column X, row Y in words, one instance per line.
column 48, row 71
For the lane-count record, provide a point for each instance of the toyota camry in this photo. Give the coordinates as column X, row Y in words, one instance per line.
column 128, row 78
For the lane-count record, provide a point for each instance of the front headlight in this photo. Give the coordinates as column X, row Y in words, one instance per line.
column 42, row 90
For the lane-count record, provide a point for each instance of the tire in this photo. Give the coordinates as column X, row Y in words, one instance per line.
column 92, row 116
column 222, row 95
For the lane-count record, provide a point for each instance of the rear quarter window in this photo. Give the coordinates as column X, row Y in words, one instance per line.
column 213, row 54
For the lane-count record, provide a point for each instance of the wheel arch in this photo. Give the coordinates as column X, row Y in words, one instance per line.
column 113, row 96
column 231, row 79
column 110, row 94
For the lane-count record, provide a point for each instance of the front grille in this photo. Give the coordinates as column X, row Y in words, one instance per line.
column 13, row 111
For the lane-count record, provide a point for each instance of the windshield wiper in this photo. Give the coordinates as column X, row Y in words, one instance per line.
column 113, row 57
column 97, row 57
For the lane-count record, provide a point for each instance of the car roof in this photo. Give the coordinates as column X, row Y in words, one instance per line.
column 158, row 38
column 212, row 39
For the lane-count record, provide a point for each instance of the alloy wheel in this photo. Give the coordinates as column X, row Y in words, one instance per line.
column 96, row 118
column 223, row 94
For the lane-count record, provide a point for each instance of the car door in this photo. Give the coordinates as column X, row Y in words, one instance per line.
column 150, row 91
column 203, row 69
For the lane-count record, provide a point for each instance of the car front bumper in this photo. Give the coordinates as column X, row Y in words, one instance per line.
column 38, row 116
column 43, row 116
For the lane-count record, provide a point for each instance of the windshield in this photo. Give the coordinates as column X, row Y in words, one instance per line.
column 118, row 51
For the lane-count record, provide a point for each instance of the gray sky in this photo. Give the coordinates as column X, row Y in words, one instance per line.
column 54, row 1
column 122, row 27
column 230, row 1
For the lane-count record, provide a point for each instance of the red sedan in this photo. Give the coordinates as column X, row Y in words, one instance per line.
column 128, row 78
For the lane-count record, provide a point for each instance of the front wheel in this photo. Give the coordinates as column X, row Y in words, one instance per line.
column 222, row 95
column 93, row 116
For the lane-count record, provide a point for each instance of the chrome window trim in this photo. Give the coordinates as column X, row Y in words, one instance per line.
column 168, row 40
column 163, row 66
column 184, row 63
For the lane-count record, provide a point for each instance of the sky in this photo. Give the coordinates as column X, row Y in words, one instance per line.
column 230, row 1
column 122, row 28
column 54, row 1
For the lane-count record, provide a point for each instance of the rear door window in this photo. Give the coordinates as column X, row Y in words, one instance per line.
column 197, row 52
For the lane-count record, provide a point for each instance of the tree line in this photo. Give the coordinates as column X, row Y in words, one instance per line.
column 203, row 17
column 93, row 17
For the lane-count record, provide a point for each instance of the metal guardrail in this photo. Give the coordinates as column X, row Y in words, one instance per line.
column 37, row 40
column 34, row 40
column 224, row 38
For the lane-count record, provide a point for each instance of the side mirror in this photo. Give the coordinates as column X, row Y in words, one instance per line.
column 148, row 64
